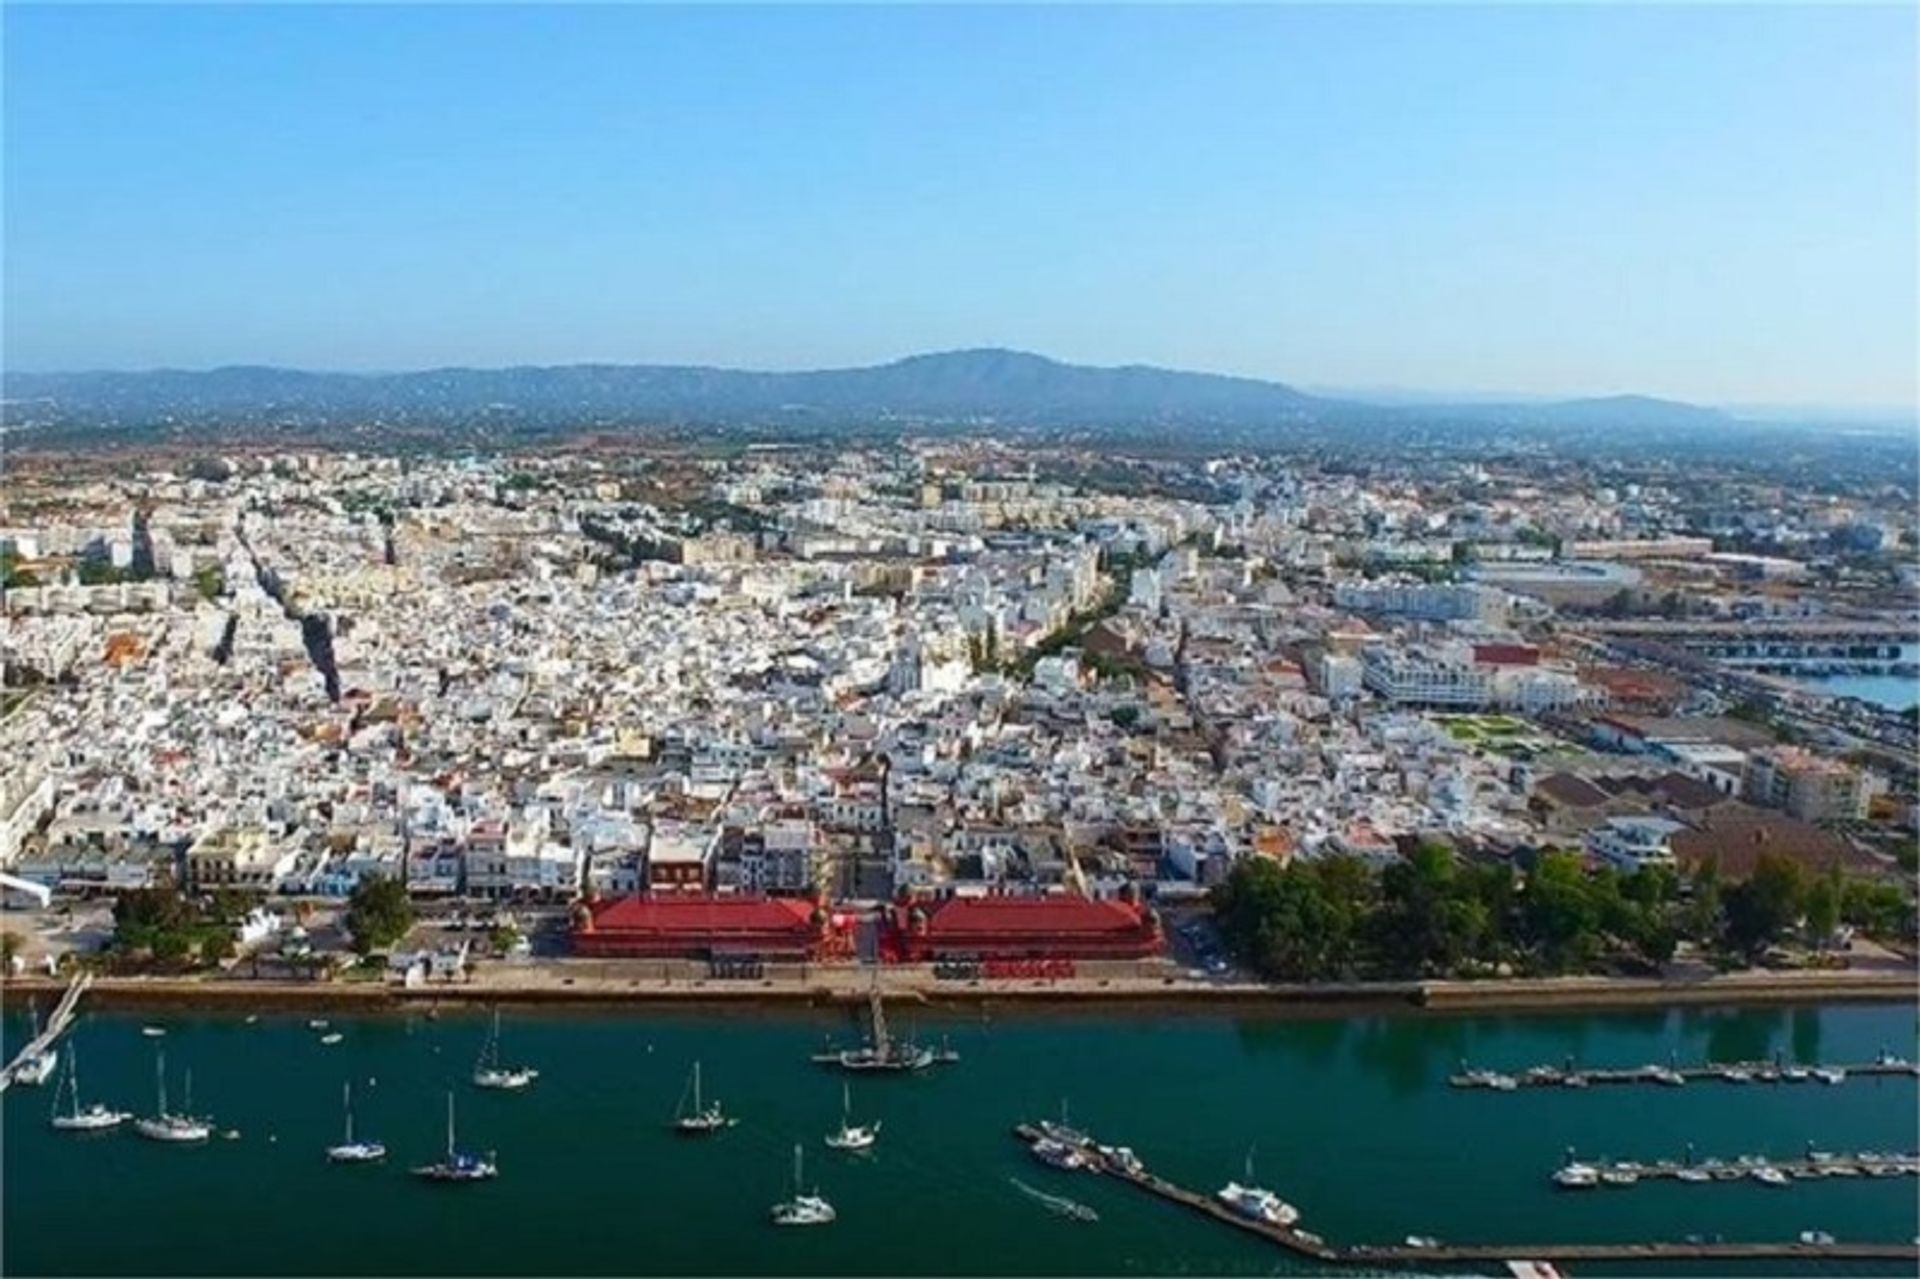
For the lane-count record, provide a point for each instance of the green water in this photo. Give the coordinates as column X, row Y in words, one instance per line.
column 1351, row 1120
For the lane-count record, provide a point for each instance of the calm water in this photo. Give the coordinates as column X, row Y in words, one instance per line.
column 1896, row 692
column 1351, row 1120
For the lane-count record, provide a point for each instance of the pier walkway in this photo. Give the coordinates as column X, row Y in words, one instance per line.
column 1097, row 1161
column 56, row 1026
column 1750, row 1072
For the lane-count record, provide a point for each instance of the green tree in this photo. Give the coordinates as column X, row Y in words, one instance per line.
column 172, row 946
column 1422, row 927
column 378, row 914
column 1701, row 922
column 1823, row 907
column 1763, row 908
column 10, row 946
column 1877, row 909
column 145, row 915
column 218, row 946
column 1561, row 912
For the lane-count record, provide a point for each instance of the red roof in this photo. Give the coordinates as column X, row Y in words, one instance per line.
column 957, row 918
column 700, row 914
column 1506, row 654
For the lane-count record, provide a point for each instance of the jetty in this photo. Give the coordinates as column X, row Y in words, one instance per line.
column 63, row 1014
column 1814, row 1165
column 1672, row 1075
column 1095, row 1159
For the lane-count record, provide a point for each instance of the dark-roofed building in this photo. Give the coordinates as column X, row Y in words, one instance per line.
column 1734, row 836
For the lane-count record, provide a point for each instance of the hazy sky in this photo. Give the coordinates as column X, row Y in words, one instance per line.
column 1708, row 202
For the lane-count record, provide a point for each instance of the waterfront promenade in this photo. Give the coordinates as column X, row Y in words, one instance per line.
column 623, row 982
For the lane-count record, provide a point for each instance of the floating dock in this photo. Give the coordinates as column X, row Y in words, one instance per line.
column 1603, row 1174
column 1736, row 1073
column 1307, row 1244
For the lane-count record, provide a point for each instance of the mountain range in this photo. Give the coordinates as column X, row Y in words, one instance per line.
column 992, row 385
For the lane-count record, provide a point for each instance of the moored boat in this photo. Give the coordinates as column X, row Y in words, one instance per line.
column 804, row 1209
column 458, row 1166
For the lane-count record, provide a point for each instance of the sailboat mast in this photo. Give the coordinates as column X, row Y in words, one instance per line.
column 187, row 1105
column 696, row 1087
column 346, row 1100
column 449, row 1126
column 160, row 1075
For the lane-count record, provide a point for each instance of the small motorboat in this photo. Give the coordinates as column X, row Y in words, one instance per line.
column 332, row 1037
column 1818, row 1238
column 153, row 1032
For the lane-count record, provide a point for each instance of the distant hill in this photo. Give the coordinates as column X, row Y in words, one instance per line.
column 1009, row 387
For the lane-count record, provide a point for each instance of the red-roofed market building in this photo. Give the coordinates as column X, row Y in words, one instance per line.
column 1005, row 926
column 700, row 926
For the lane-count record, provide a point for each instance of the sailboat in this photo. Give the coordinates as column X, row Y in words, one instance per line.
column 700, row 1120
column 1252, row 1202
column 489, row 1073
column 852, row 1136
column 167, row 1126
column 38, row 1068
column 350, row 1151
column 458, row 1166
column 803, row 1209
column 1064, row 1132
column 93, row 1118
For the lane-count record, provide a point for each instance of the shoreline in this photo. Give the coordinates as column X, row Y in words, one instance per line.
column 556, row 989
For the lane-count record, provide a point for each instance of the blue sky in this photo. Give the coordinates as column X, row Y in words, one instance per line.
column 1709, row 202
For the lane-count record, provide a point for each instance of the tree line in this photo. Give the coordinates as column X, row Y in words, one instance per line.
column 1431, row 914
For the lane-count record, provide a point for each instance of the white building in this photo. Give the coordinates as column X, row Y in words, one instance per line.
column 1630, row 843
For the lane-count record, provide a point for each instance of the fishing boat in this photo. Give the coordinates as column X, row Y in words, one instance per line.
column 164, row 1124
column 458, row 1166
column 803, row 1209
column 91, row 1118
column 1254, row 1203
column 698, row 1120
column 852, row 1136
column 881, row 1051
column 350, row 1151
column 489, row 1073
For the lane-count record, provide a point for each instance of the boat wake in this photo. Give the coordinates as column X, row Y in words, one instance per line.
column 1058, row 1204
